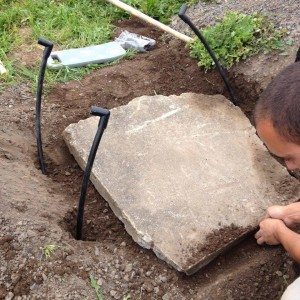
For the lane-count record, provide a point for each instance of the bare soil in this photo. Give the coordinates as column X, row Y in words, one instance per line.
column 38, row 210
column 213, row 245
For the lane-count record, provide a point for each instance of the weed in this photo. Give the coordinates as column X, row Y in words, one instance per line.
column 48, row 250
column 130, row 53
column 160, row 10
column 237, row 37
column 95, row 285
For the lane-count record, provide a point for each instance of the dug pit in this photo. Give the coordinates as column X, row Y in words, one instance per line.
column 245, row 272
column 180, row 170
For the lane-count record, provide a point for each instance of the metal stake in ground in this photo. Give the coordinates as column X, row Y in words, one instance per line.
column 298, row 55
column 47, row 51
column 104, row 117
column 221, row 70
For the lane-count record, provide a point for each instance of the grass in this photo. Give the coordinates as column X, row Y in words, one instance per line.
column 94, row 284
column 48, row 250
column 73, row 23
column 160, row 10
column 68, row 24
column 237, row 37
column 98, row 291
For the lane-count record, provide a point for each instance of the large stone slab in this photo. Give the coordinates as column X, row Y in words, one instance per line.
column 187, row 174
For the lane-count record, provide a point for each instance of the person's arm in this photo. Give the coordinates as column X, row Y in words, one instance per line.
column 274, row 232
column 289, row 214
column 290, row 240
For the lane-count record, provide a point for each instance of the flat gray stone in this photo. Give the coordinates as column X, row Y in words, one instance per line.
column 187, row 174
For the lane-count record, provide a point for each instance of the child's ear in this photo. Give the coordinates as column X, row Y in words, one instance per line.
column 298, row 55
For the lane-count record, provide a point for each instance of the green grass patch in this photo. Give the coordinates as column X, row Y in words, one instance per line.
column 237, row 37
column 97, row 288
column 160, row 10
column 68, row 24
column 48, row 250
column 73, row 24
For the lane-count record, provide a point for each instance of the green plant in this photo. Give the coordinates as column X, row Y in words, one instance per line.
column 48, row 250
column 130, row 53
column 69, row 24
column 94, row 284
column 237, row 37
column 160, row 10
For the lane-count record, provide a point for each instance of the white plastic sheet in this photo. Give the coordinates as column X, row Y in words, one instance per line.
column 140, row 43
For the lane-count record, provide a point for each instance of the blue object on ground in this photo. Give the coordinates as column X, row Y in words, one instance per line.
column 79, row 57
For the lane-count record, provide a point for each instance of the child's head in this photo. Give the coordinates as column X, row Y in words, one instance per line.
column 277, row 116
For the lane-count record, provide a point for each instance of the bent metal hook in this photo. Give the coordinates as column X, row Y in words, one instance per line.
column 47, row 51
column 221, row 70
column 104, row 115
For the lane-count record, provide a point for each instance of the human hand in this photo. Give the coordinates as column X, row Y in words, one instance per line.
column 289, row 214
column 268, row 232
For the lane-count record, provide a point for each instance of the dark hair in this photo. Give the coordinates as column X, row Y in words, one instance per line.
column 280, row 103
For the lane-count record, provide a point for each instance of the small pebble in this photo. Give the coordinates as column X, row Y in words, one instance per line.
column 163, row 278
column 9, row 296
column 8, row 156
column 97, row 252
column 148, row 287
column 128, row 268
column 167, row 296
column 113, row 293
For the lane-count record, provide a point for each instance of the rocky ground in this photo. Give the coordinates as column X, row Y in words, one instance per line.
column 40, row 259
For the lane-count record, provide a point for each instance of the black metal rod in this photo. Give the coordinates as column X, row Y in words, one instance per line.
column 38, row 132
column 298, row 55
column 104, row 117
column 221, row 70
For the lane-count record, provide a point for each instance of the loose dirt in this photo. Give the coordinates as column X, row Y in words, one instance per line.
column 37, row 210
column 212, row 241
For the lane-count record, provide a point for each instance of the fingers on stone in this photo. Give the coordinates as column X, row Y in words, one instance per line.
column 260, row 241
column 258, row 234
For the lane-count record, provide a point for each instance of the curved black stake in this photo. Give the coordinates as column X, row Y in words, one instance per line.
column 298, row 55
column 47, row 51
column 221, row 70
column 104, row 117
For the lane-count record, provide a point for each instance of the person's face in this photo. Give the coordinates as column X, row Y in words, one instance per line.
column 288, row 151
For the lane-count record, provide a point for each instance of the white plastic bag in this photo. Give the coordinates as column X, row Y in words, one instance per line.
column 140, row 43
